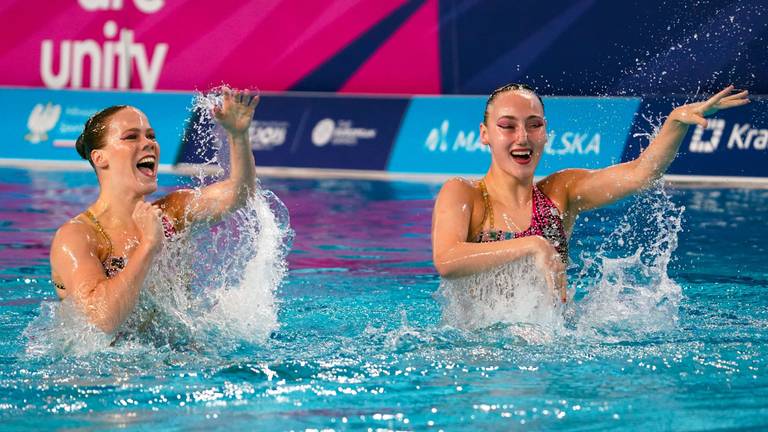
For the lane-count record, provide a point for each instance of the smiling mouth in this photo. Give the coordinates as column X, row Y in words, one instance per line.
column 147, row 166
column 522, row 156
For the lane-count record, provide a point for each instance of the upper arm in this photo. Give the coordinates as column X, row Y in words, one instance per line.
column 588, row 189
column 452, row 215
column 187, row 206
column 176, row 206
column 74, row 259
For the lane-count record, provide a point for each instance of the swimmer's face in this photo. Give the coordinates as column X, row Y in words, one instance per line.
column 516, row 132
column 131, row 153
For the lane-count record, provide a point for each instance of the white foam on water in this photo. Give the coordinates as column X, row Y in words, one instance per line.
column 515, row 293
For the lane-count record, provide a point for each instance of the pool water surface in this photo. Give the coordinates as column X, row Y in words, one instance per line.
column 672, row 339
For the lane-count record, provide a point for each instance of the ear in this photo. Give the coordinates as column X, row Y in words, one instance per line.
column 484, row 134
column 99, row 159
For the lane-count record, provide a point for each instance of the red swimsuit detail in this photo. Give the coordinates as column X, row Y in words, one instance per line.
column 546, row 221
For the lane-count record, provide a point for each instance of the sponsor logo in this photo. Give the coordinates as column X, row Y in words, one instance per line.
column 572, row 143
column 41, row 120
column 439, row 140
column 341, row 132
column 266, row 135
column 743, row 136
column 699, row 144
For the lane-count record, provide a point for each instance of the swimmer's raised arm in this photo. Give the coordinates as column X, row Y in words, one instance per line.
column 454, row 256
column 75, row 265
column 213, row 201
column 588, row 189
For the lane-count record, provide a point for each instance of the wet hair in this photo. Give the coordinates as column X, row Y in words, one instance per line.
column 506, row 88
column 92, row 137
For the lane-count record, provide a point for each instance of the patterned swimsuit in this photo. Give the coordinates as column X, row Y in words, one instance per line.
column 546, row 221
column 115, row 264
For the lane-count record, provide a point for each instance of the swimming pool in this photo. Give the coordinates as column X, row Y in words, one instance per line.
column 361, row 344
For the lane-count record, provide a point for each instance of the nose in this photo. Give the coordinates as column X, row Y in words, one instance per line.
column 521, row 135
column 149, row 144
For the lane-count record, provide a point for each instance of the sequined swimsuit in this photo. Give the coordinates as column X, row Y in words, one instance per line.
column 115, row 264
column 546, row 221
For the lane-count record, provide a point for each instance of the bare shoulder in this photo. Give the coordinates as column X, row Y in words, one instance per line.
column 563, row 180
column 175, row 200
column 558, row 186
column 458, row 189
column 175, row 206
column 75, row 232
column 73, row 240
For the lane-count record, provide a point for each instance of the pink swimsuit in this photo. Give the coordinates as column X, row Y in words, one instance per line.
column 546, row 221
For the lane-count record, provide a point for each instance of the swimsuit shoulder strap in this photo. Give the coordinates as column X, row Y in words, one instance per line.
column 488, row 207
column 101, row 231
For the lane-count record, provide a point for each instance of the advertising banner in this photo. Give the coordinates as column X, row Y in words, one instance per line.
column 315, row 131
column 442, row 135
column 277, row 45
column 44, row 124
column 734, row 143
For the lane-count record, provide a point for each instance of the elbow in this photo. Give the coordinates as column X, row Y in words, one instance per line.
column 243, row 192
column 444, row 269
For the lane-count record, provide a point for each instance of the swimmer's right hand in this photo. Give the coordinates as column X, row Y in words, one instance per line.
column 548, row 261
column 147, row 218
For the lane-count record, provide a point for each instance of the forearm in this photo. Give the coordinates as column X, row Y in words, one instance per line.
column 242, row 176
column 109, row 302
column 654, row 160
column 469, row 258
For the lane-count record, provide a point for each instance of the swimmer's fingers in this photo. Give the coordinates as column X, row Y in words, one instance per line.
column 718, row 96
column 254, row 102
column 723, row 100
column 734, row 100
column 550, row 279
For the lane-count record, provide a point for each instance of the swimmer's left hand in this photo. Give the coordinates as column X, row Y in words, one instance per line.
column 695, row 113
column 236, row 111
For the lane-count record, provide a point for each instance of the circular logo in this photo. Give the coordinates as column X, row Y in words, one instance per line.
column 323, row 132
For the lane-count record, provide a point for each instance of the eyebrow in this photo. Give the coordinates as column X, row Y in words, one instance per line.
column 138, row 130
column 534, row 116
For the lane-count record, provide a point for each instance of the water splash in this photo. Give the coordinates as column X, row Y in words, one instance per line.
column 631, row 295
column 514, row 293
column 209, row 289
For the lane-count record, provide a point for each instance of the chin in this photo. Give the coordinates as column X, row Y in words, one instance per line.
column 148, row 189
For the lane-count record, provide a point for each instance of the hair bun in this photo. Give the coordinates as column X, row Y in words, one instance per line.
column 80, row 146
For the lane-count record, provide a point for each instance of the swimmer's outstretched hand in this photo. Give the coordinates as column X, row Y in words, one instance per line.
column 695, row 113
column 236, row 110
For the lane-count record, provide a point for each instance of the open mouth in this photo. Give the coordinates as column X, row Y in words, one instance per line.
column 147, row 165
column 521, row 156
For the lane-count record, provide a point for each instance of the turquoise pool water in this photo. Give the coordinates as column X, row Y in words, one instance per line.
column 672, row 339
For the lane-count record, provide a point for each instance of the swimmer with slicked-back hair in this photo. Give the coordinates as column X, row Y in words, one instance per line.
column 101, row 257
column 505, row 216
